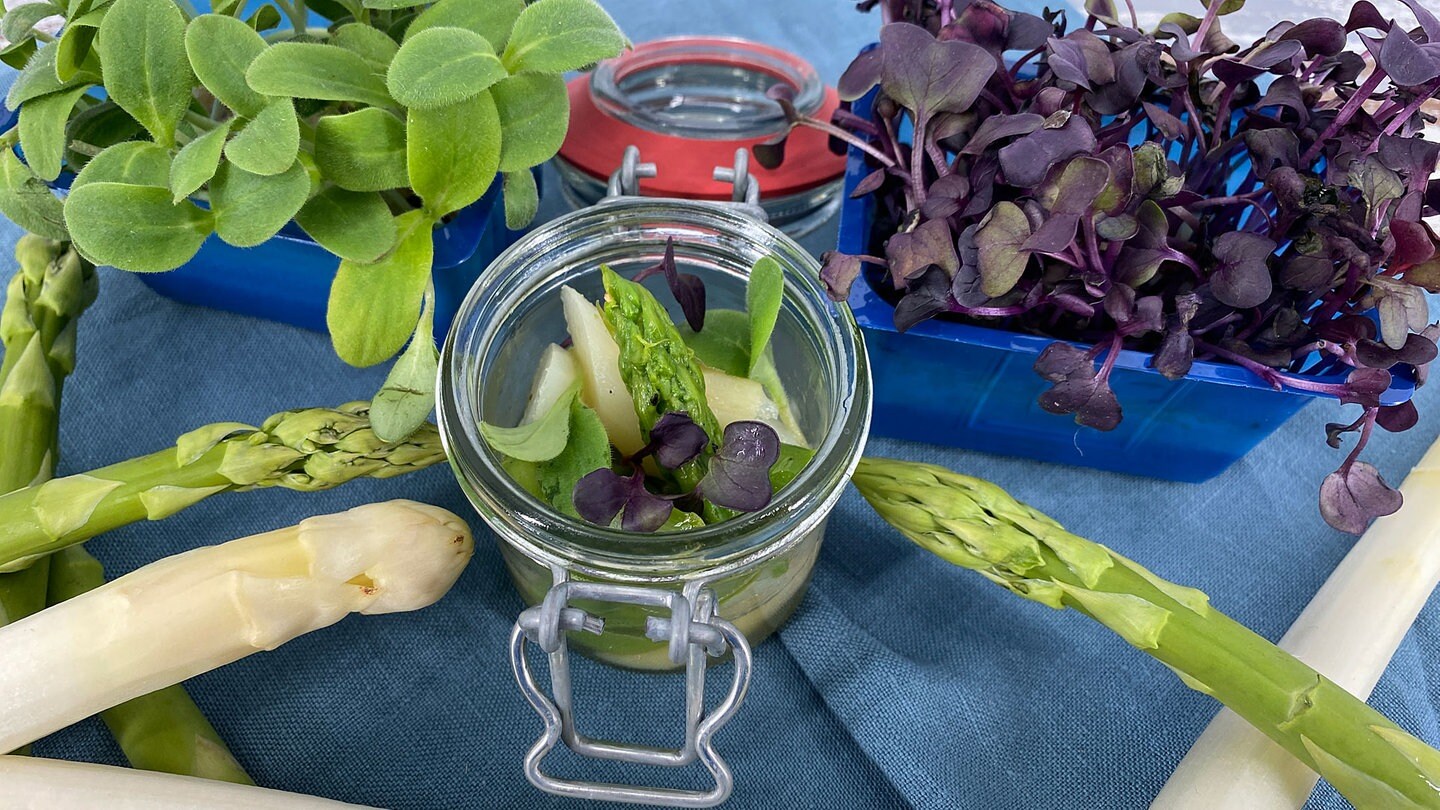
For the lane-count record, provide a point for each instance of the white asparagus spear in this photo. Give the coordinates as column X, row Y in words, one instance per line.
column 1348, row 633
column 194, row 612
column 51, row 784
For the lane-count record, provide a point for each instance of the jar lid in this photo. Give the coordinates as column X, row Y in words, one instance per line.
column 688, row 103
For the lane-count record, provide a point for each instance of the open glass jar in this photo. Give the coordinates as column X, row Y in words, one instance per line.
column 649, row 601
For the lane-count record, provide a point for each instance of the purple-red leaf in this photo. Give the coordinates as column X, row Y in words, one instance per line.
column 739, row 476
column 838, row 272
column 930, row 76
column 910, row 253
column 1407, row 64
column 861, row 76
column 601, row 495
column 675, row 440
column 1354, row 495
column 688, row 289
column 1027, row 161
column 1241, row 277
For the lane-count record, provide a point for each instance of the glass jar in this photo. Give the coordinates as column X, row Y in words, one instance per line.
column 688, row 103
column 649, row 601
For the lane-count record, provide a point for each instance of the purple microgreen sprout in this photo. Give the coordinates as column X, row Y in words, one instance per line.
column 603, row 494
column 688, row 289
column 739, row 476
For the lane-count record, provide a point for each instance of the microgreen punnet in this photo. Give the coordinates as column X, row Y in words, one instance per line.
column 367, row 132
column 1168, row 191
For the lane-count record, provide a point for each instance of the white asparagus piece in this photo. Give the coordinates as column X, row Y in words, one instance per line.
column 1348, row 633
column 194, row 612
column 51, row 784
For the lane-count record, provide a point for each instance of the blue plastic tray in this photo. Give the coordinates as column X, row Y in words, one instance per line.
column 970, row 386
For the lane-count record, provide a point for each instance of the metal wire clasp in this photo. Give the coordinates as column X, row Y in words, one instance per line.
column 693, row 632
column 625, row 181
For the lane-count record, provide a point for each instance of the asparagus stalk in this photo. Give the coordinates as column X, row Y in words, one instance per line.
column 976, row 525
column 304, row 450
column 37, row 329
column 191, row 613
column 161, row 731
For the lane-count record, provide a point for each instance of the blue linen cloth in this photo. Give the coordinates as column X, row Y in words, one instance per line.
column 901, row 681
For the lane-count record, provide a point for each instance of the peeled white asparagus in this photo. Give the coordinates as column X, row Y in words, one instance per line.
column 1348, row 633
column 28, row 783
column 598, row 356
column 194, row 612
column 558, row 371
column 738, row 399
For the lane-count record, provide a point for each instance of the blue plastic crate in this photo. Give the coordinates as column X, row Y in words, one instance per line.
column 970, row 386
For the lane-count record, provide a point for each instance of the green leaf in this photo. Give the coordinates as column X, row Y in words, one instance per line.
column 142, row 54
column 541, row 440
column 362, row 151
column 373, row 307
column 250, row 208
column 38, row 78
column 763, row 295
column 264, row 18
column 75, row 52
column 1226, row 6
column 553, row 36
column 96, row 128
column 724, row 343
column 402, row 404
column 998, row 243
column 19, row 20
column 27, row 201
column 372, row 44
column 393, row 4
column 227, row 7
column 221, row 49
column 42, row 130
column 135, row 228
column 453, row 153
column 268, row 142
column 534, row 114
column 442, row 66
column 313, row 70
column 196, row 163
column 492, row 19
column 586, row 450
column 522, row 199
column 335, row 10
column 17, row 55
column 136, row 163
column 354, row 225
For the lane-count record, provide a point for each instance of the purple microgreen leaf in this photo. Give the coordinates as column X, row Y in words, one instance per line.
column 999, row 239
column 688, row 289
column 861, row 76
column 1027, row 161
column 926, row 298
column 1354, row 495
column 930, row 76
column 999, row 127
column 1398, row 418
column 871, row 183
column 1404, row 61
column 1364, row 386
column 739, row 476
column 1363, row 14
column 783, row 94
column 1428, row 22
column 1169, row 125
column 1177, row 348
column 838, row 272
column 1319, row 36
column 1079, row 389
column 1241, row 277
column 675, row 440
column 770, row 154
column 928, row 245
column 1027, row 32
column 601, row 495
column 1080, row 58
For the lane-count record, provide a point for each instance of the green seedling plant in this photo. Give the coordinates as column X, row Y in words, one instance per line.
column 367, row 132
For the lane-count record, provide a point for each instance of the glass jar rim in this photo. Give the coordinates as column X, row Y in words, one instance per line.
column 545, row 532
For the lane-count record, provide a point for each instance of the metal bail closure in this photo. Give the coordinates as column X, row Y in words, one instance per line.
column 745, row 196
column 693, row 632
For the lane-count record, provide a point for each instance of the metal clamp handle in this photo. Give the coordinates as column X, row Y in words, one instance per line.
column 693, row 632
column 745, row 194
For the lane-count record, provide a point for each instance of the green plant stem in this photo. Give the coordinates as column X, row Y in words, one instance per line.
column 162, row 731
column 976, row 525
column 296, row 13
column 305, row 450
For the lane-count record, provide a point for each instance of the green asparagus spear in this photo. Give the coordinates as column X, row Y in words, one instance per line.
column 161, row 731
column 305, row 450
column 976, row 525
column 37, row 328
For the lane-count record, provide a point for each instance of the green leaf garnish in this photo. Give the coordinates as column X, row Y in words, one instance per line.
column 522, row 199
column 251, row 208
column 540, row 440
column 373, row 308
column 269, row 142
column 453, row 152
column 763, row 295
column 221, row 49
column 362, row 151
column 534, row 115
column 313, row 70
column 135, row 227
column 196, row 163
column 586, row 449
column 42, row 130
column 27, row 201
column 142, row 54
column 138, row 163
column 491, row 19
column 553, row 36
column 406, row 399
column 354, row 225
column 441, row 66
column 372, row 44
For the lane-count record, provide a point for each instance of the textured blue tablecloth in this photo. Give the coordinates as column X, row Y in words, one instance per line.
column 900, row 682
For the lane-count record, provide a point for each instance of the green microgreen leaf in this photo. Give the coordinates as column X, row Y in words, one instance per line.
column 763, row 295
column 402, row 404
column 373, row 307
column 492, row 19
column 264, row 18
column 354, row 225
column 553, row 36
column 250, row 208
column 196, row 163
column 541, row 440
column 136, row 163
column 38, row 78
column 534, row 114
column 75, row 52
column 18, row 21
column 522, row 199
column 135, row 228
column 392, row 4
column 318, row 71
column 453, row 153
column 228, row 7
column 142, row 54
column 441, row 66
column 267, row 143
column 587, row 449
column 724, row 343
column 27, row 201
column 95, row 128
column 42, row 130
column 221, row 49
column 372, row 44
column 362, row 151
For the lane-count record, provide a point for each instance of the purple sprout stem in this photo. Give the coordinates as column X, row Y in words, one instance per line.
column 937, row 157
column 917, row 160
column 1274, row 378
column 1366, row 428
column 1410, row 109
column 1092, row 245
column 1020, row 63
column 853, row 140
column 1212, row 12
column 1343, row 117
column 1134, row 18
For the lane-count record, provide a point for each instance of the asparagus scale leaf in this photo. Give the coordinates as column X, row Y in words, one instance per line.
column 977, row 525
column 305, row 450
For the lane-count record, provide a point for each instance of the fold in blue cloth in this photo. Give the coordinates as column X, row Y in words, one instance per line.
column 901, row 681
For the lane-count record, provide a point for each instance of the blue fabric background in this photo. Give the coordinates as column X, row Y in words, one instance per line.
column 901, row 682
